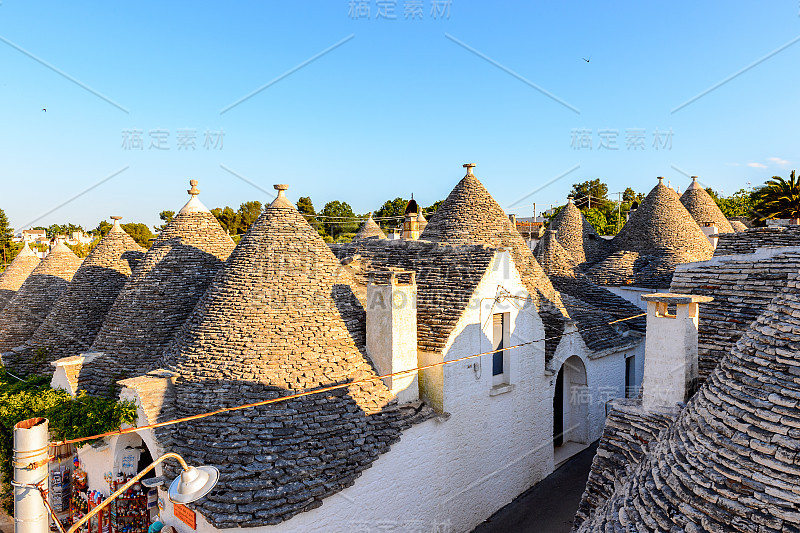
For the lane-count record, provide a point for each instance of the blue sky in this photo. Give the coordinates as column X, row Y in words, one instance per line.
column 393, row 106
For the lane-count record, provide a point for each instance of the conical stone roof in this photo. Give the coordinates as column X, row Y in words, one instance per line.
column 35, row 298
column 370, row 230
column 551, row 255
column 12, row 278
column 77, row 316
column 158, row 297
column 662, row 224
column 703, row 208
column 660, row 235
column 729, row 463
column 577, row 236
column 737, row 225
column 422, row 221
column 469, row 215
column 281, row 317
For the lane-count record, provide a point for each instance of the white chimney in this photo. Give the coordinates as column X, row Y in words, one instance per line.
column 392, row 329
column 710, row 231
column 670, row 357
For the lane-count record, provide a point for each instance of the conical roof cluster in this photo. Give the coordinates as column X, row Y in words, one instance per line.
column 703, row 208
column 33, row 301
column 281, row 317
column 577, row 235
column 590, row 306
column 660, row 235
column 370, row 230
column 77, row 316
column 158, row 297
column 469, row 215
column 12, row 278
column 730, row 461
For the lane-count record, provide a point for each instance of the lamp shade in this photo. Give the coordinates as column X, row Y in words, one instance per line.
column 193, row 484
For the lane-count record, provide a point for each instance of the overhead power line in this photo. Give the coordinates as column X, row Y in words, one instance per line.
column 318, row 390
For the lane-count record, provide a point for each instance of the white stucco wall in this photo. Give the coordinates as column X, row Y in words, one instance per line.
column 451, row 474
column 605, row 380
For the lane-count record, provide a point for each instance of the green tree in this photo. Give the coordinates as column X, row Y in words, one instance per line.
column 247, row 214
column 6, row 236
column 338, row 219
column 139, row 232
column 779, row 198
column 394, row 209
column 102, row 229
column 166, row 217
column 597, row 219
column 429, row 211
column 227, row 219
column 629, row 196
column 594, row 188
column 306, row 208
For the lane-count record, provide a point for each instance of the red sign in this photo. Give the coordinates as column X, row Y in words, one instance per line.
column 185, row 515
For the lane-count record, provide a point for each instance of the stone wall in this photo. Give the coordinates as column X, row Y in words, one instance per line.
column 746, row 242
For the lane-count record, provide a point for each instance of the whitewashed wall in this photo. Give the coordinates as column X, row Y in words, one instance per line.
column 605, row 380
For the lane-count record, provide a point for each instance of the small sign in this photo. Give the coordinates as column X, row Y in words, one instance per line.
column 185, row 515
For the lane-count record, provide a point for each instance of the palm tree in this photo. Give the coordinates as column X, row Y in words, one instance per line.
column 779, row 198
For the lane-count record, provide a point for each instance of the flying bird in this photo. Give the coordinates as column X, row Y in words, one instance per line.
column 45, row 110
column 587, row 60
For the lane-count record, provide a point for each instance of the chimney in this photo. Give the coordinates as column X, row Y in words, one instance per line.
column 392, row 329
column 670, row 353
column 710, row 231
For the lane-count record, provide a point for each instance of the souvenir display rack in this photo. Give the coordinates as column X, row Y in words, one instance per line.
column 83, row 500
column 129, row 513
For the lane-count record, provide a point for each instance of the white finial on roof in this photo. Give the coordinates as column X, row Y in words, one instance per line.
column 281, row 200
column 116, row 219
column 661, row 180
column 469, row 167
column 570, row 199
column 193, row 205
column 694, row 184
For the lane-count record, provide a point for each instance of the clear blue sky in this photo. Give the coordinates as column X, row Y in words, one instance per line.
column 396, row 108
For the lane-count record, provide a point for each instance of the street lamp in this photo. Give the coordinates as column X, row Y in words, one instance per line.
column 192, row 484
column 30, row 472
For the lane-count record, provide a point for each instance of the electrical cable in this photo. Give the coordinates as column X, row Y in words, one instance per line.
column 314, row 391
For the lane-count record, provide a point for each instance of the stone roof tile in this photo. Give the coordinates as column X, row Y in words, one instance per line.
column 729, row 462
column 446, row 276
column 370, row 230
column 15, row 274
column 158, row 297
column 77, row 316
column 35, row 298
column 660, row 235
column 703, row 208
column 577, row 236
column 280, row 317
column 469, row 215
column 742, row 287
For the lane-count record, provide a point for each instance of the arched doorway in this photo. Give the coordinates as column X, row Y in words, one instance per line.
column 571, row 403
